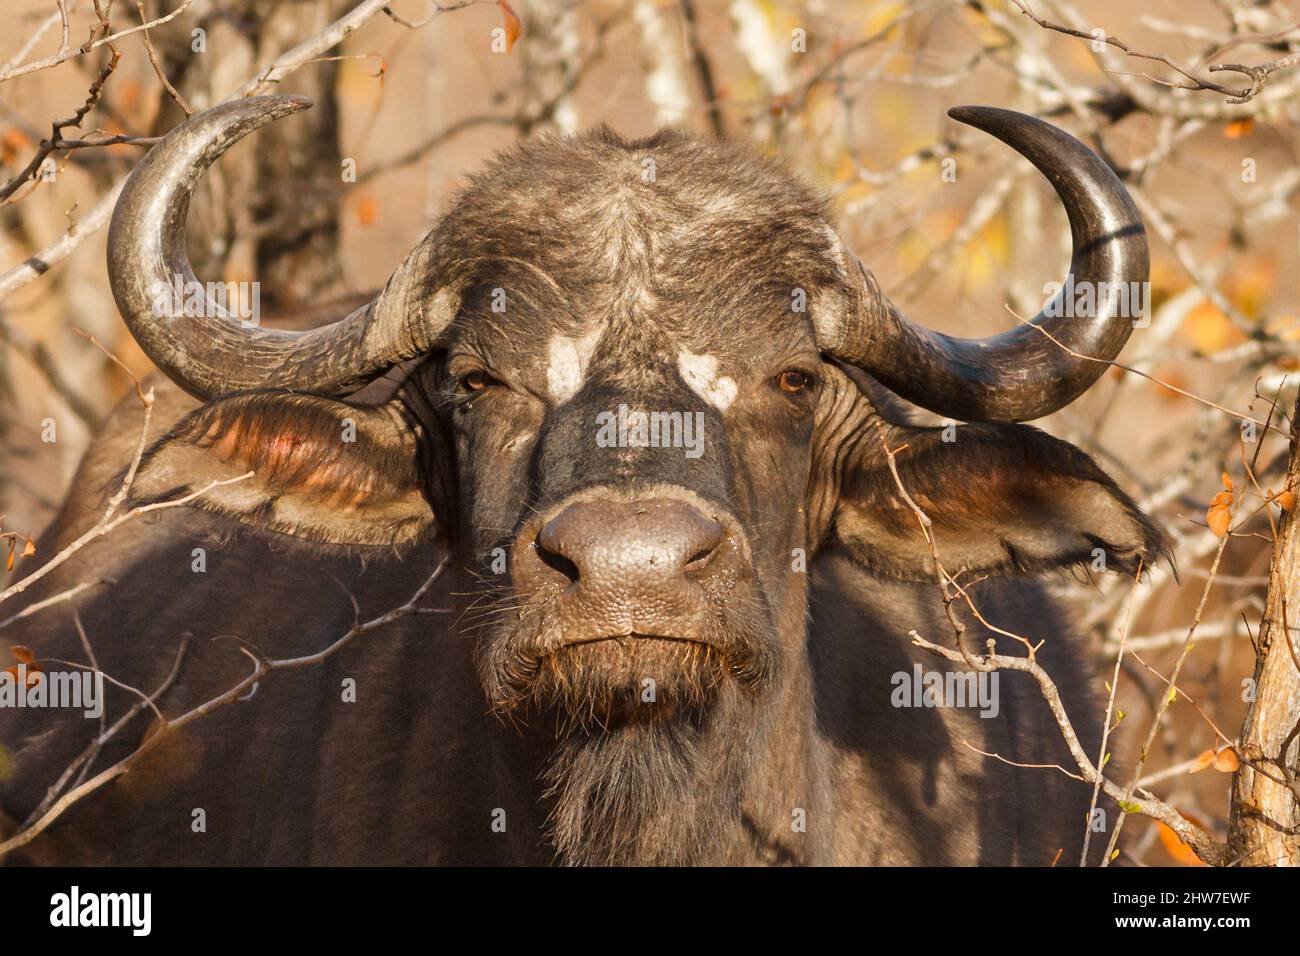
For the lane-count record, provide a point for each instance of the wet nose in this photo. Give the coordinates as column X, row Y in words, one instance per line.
column 643, row 549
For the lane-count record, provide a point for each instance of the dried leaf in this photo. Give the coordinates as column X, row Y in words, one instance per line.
column 22, row 654
column 514, row 26
column 1226, row 761
column 1202, row 761
column 34, row 673
column 29, row 548
column 1285, row 500
column 1218, row 517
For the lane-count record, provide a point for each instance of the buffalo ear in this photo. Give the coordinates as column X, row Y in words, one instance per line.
column 321, row 470
column 1002, row 499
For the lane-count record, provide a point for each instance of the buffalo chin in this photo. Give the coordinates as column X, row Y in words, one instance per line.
column 639, row 783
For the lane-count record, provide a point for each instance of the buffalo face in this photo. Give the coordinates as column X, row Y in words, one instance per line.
column 637, row 387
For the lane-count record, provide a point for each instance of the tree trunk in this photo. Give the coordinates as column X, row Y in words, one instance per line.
column 1264, row 829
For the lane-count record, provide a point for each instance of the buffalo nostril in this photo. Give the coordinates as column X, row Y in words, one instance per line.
column 700, row 557
column 556, row 561
column 707, row 534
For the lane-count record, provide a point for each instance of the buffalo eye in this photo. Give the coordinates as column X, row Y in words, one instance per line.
column 794, row 381
column 475, row 380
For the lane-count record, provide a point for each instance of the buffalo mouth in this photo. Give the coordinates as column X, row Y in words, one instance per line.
column 626, row 640
column 603, row 680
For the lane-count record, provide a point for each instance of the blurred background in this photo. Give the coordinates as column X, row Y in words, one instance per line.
column 852, row 95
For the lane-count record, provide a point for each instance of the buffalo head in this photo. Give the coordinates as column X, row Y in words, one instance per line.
column 638, row 386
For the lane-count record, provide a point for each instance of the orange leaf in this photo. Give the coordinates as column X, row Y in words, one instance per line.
column 12, row 142
column 23, row 655
column 514, row 26
column 1227, row 482
column 1285, row 500
column 367, row 212
column 1175, row 847
column 1202, row 761
column 30, row 547
column 1218, row 518
column 1239, row 128
column 1226, row 761
column 34, row 673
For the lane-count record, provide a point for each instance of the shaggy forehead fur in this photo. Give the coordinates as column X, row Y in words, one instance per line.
column 667, row 236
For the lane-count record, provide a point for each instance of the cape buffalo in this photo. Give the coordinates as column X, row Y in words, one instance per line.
column 641, row 400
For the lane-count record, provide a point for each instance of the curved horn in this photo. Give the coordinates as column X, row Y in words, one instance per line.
column 208, row 351
column 1021, row 374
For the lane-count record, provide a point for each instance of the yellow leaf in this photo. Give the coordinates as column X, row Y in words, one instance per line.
column 1209, row 329
column 880, row 17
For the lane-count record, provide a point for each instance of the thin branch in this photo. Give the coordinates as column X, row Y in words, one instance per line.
column 66, row 54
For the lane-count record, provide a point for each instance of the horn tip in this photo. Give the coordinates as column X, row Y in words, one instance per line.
column 288, row 102
column 977, row 116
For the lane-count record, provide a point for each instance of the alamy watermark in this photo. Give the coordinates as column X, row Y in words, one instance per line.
column 922, row 688
column 133, row 911
column 75, row 690
column 207, row 300
column 1085, row 300
column 634, row 428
